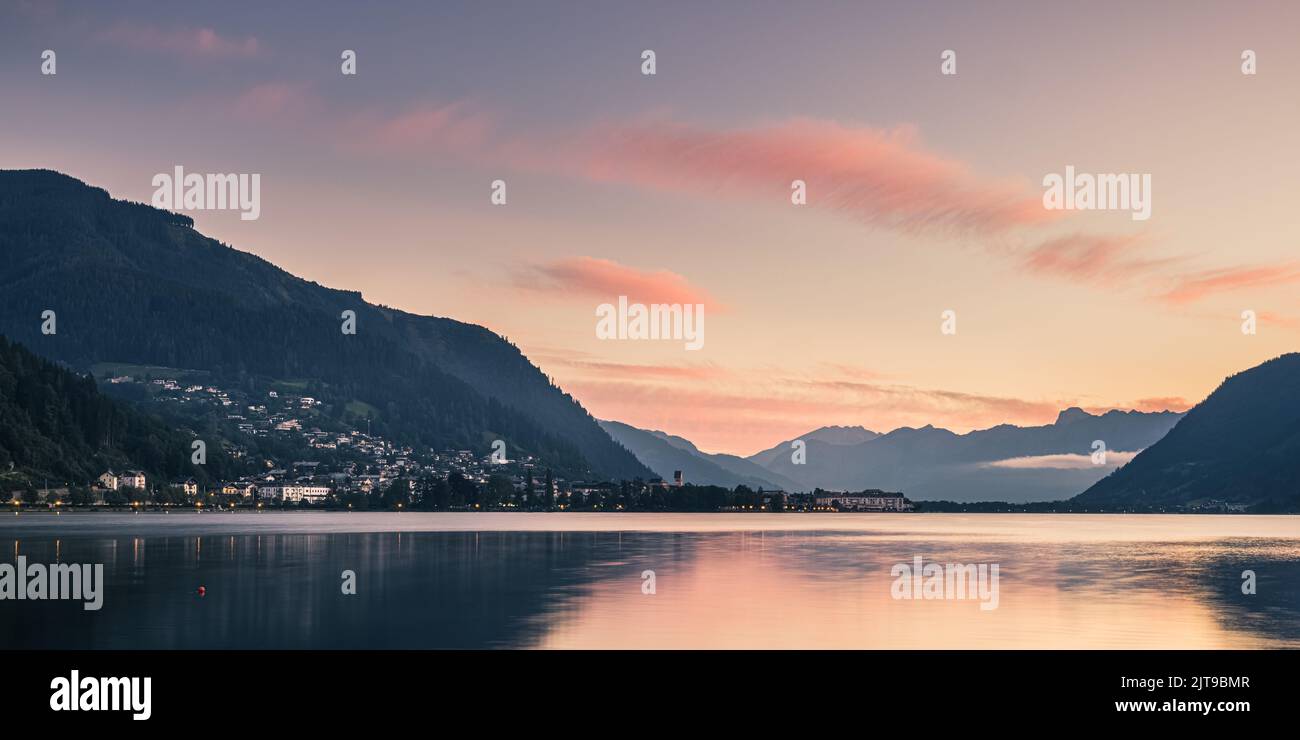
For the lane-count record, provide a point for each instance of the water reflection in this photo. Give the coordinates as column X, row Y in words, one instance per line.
column 1168, row 583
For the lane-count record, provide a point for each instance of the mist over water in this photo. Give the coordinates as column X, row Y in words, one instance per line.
column 732, row 581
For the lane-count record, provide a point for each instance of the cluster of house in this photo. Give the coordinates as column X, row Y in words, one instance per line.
column 278, row 413
column 183, row 393
column 302, row 482
column 283, row 414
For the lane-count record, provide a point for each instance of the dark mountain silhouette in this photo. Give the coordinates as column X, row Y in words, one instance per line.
column 133, row 284
column 932, row 463
column 832, row 435
column 665, row 453
column 56, row 427
column 1241, row 445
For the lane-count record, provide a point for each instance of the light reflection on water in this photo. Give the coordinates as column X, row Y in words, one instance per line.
column 779, row 581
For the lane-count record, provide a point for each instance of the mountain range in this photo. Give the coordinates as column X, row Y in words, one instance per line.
column 132, row 284
column 1004, row 463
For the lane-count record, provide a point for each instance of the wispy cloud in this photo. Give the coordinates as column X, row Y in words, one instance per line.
column 1272, row 318
column 606, row 280
column 455, row 128
column 1197, row 285
column 881, row 177
column 1117, row 261
column 1108, row 259
column 423, row 132
column 194, row 42
column 277, row 99
column 634, row 371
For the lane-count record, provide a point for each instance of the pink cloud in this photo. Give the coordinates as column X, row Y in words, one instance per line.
column 1276, row 319
column 1116, row 260
column 1094, row 258
column 606, row 280
column 196, row 42
column 1195, row 286
column 457, row 128
column 630, row 371
column 881, row 177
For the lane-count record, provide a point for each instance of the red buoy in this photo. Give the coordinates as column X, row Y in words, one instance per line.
column 202, row 591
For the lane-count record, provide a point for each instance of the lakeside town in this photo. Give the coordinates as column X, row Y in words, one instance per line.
column 457, row 481
column 296, row 453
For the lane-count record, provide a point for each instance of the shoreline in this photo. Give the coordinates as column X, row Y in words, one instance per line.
column 1049, row 528
column 979, row 508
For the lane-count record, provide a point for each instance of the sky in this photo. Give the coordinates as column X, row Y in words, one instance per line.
column 924, row 190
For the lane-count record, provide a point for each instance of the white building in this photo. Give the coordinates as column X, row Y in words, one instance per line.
column 294, row 494
column 868, row 500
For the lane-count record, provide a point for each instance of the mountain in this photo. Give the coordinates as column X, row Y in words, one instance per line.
column 665, row 453
column 56, row 426
column 132, row 284
column 1004, row 463
column 833, row 435
column 1241, row 445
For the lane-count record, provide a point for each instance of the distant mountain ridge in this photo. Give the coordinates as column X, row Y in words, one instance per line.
column 833, row 435
column 1003, row 463
column 133, row 284
column 930, row 463
column 665, row 453
column 1241, row 445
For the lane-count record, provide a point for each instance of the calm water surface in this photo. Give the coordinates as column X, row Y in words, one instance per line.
column 732, row 581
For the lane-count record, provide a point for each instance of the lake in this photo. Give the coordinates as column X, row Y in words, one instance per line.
column 577, row 580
